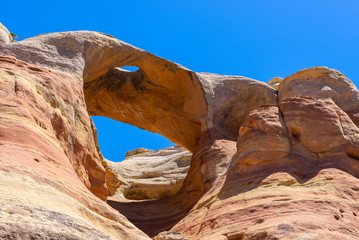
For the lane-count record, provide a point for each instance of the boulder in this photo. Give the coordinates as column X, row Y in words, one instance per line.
column 323, row 83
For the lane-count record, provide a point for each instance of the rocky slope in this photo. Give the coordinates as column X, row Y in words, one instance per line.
column 268, row 162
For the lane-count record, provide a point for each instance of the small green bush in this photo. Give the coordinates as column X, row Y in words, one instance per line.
column 14, row 37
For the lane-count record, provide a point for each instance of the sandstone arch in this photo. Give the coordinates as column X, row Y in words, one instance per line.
column 161, row 96
column 243, row 188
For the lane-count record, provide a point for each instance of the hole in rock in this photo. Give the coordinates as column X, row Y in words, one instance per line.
column 148, row 184
column 129, row 68
column 147, row 165
column 117, row 138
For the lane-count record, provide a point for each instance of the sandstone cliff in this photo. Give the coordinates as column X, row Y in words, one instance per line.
column 267, row 162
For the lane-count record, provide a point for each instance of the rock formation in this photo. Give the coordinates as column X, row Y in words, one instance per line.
column 5, row 36
column 145, row 174
column 267, row 162
column 50, row 166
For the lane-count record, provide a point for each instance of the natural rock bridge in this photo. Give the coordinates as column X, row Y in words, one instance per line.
column 270, row 161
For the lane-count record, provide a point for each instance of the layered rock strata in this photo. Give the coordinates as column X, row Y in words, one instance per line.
column 295, row 172
column 52, row 179
column 267, row 163
column 146, row 174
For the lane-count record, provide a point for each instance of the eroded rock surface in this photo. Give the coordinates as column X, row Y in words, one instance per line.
column 145, row 174
column 52, row 179
column 269, row 161
column 274, row 82
column 294, row 174
column 5, row 36
column 168, row 235
column 323, row 83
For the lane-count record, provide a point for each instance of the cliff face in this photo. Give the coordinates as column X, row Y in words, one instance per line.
column 267, row 162
column 50, row 167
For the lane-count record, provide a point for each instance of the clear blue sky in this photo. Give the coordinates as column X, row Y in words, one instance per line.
column 260, row 39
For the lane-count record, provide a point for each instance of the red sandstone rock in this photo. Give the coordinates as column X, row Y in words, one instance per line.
column 265, row 129
column 263, row 166
column 323, row 83
column 297, row 193
column 49, row 160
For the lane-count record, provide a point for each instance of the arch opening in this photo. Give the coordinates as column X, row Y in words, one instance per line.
column 129, row 68
column 159, row 97
column 145, row 181
column 141, row 164
column 117, row 138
